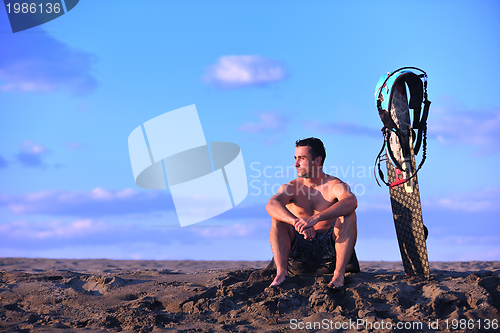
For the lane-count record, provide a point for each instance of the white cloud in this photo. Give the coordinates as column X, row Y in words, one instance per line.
column 233, row 71
column 463, row 248
column 31, row 155
column 342, row 128
column 51, row 229
column 96, row 202
column 268, row 122
column 40, row 63
column 480, row 201
column 238, row 230
column 33, row 148
column 479, row 129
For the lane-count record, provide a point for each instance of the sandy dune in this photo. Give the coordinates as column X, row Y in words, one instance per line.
column 51, row 295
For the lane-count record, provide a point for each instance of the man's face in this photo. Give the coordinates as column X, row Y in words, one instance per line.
column 304, row 162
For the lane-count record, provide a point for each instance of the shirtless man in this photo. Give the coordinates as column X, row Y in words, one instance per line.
column 313, row 206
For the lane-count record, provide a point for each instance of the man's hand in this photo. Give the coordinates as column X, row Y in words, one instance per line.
column 309, row 233
column 303, row 223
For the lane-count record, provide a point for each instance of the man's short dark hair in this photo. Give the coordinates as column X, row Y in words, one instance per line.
column 317, row 147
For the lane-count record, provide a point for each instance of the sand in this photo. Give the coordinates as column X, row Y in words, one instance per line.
column 51, row 295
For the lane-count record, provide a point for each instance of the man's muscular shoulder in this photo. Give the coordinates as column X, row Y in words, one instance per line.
column 333, row 181
column 292, row 187
column 336, row 188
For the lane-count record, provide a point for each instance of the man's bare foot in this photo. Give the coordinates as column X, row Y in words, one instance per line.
column 337, row 281
column 278, row 280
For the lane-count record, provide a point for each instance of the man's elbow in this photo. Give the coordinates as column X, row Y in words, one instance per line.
column 269, row 206
column 354, row 202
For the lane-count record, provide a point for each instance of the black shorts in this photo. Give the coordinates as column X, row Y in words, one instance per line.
column 312, row 256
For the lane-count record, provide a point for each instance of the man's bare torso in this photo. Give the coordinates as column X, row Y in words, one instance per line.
column 309, row 200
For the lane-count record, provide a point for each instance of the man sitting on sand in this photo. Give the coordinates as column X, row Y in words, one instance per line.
column 313, row 216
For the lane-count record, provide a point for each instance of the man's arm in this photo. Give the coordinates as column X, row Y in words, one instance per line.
column 346, row 204
column 276, row 207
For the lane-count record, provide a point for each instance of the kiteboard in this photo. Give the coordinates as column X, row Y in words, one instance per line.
column 402, row 141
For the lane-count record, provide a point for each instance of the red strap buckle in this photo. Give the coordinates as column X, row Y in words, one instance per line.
column 399, row 180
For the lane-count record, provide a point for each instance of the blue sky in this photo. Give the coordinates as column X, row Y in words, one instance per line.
column 261, row 75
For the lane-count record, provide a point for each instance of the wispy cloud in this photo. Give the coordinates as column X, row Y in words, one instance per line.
column 130, row 239
column 94, row 203
column 479, row 129
column 238, row 230
column 40, row 63
column 269, row 122
column 481, row 200
column 46, row 230
column 254, row 211
column 342, row 128
column 31, row 155
column 233, row 71
column 484, row 200
column 74, row 145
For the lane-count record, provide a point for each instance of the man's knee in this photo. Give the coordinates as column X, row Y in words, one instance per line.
column 347, row 220
column 351, row 218
column 345, row 223
column 275, row 223
column 281, row 227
